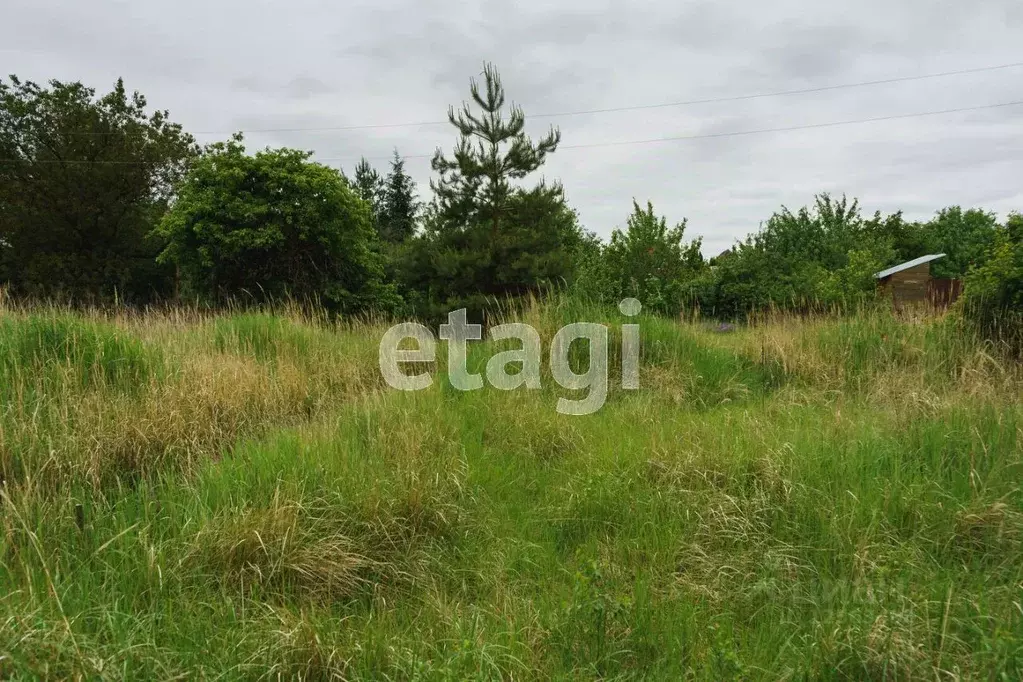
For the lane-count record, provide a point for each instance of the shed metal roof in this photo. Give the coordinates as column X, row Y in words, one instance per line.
column 908, row 264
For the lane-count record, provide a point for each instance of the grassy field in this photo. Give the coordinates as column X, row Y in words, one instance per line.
column 240, row 496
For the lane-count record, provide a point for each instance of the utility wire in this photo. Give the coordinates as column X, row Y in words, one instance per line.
column 638, row 107
column 641, row 107
column 676, row 138
column 810, row 126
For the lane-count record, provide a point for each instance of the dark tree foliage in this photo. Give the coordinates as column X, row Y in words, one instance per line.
column 651, row 262
column 447, row 269
column 487, row 238
column 399, row 209
column 369, row 187
column 92, row 189
column 823, row 255
column 274, row 225
column 474, row 186
column 994, row 290
column 908, row 240
column 966, row 238
column 83, row 181
column 648, row 261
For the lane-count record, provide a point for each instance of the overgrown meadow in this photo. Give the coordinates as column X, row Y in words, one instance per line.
column 188, row 495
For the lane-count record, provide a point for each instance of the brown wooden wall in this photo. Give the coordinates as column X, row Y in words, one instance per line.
column 944, row 292
column 909, row 286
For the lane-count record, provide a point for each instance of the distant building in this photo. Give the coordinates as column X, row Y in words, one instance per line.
column 911, row 283
column 715, row 260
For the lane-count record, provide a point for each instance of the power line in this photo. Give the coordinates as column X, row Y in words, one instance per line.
column 676, row 138
column 810, row 126
column 637, row 107
column 662, row 105
column 783, row 93
column 759, row 131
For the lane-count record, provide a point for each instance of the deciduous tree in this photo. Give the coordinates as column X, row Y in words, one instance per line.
column 965, row 237
column 83, row 181
column 651, row 261
column 274, row 224
column 993, row 296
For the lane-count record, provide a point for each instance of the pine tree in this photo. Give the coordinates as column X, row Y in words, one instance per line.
column 474, row 185
column 400, row 208
column 369, row 187
column 485, row 238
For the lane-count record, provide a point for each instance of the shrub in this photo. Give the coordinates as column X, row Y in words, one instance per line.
column 274, row 225
column 993, row 297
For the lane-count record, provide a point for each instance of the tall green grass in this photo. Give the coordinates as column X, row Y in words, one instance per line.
column 813, row 499
column 59, row 351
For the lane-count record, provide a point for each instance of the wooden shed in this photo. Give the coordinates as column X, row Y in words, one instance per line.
column 910, row 283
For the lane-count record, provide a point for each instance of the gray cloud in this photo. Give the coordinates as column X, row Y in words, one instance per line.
column 299, row 88
column 231, row 65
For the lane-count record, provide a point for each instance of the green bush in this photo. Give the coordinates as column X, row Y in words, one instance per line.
column 83, row 181
column 993, row 298
column 274, row 226
column 822, row 256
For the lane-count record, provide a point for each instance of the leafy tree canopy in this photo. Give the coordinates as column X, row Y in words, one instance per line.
column 270, row 225
column 369, row 187
column 966, row 238
column 83, row 181
column 820, row 255
column 993, row 296
column 651, row 261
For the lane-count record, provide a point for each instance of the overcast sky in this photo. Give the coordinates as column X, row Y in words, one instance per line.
column 225, row 65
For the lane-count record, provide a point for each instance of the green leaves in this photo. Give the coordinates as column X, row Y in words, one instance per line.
column 994, row 291
column 486, row 239
column 274, row 225
column 964, row 236
column 824, row 255
column 83, row 180
column 399, row 211
column 651, row 262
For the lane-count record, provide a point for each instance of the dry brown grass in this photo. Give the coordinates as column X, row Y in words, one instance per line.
column 279, row 550
column 205, row 394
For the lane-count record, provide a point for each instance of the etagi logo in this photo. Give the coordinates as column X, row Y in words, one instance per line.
column 457, row 332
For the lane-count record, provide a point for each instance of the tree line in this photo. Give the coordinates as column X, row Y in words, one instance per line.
column 101, row 199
